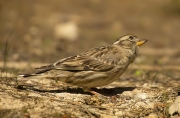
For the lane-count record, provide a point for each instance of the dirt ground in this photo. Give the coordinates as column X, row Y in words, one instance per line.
column 31, row 36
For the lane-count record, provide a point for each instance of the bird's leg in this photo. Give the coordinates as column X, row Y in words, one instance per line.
column 95, row 93
column 90, row 91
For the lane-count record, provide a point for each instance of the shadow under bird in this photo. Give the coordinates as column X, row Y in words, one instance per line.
column 95, row 67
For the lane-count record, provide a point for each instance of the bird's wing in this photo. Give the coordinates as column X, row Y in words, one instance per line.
column 96, row 59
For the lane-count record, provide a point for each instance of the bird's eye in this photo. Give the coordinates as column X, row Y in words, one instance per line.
column 131, row 37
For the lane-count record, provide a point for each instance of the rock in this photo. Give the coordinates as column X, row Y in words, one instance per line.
column 175, row 107
column 142, row 95
column 120, row 113
column 152, row 115
column 107, row 116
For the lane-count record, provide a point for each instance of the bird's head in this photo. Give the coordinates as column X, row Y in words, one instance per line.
column 130, row 41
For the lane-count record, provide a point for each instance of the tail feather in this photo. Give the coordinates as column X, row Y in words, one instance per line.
column 27, row 75
column 36, row 73
column 45, row 67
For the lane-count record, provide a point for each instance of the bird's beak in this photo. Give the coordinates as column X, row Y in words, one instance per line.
column 141, row 42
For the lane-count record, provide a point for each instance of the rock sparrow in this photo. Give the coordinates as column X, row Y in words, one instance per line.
column 95, row 67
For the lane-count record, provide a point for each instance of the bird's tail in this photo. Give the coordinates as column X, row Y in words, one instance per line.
column 36, row 73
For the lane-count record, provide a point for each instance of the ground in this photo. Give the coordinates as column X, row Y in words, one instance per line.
column 31, row 36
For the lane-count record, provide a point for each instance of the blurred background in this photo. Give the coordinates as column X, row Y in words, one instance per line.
column 46, row 31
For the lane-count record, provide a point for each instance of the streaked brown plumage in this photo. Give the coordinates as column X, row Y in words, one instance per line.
column 95, row 67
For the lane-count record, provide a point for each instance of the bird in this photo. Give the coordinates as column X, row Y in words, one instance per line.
column 95, row 67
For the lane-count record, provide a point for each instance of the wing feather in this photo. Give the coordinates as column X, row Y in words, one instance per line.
column 96, row 59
